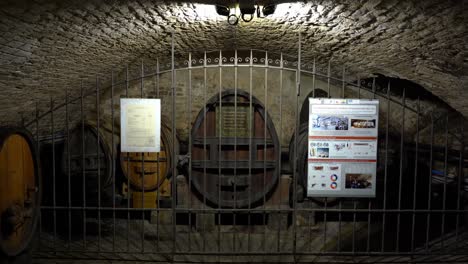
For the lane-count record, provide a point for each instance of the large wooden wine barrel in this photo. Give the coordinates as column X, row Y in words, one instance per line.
column 302, row 148
column 233, row 166
column 147, row 171
column 90, row 163
column 301, row 166
column 19, row 190
column 304, row 113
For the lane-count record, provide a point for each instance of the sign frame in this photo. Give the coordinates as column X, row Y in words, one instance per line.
column 140, row 125
column 342, row 147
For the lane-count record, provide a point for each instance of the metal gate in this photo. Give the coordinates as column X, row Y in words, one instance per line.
column 90, row 211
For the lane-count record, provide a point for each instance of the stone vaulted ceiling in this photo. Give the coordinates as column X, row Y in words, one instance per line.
column 46, row 46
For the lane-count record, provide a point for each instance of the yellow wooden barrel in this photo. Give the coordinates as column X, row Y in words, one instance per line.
column 19, row 190
column 147, row 171
column 150, row 199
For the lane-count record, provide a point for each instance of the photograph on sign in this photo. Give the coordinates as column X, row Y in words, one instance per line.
column 324, row 122
column 342, row 147
column 358, row 181
column 140, row 125
column 363, row 123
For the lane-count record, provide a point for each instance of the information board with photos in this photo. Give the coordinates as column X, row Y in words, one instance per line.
column 342, row 147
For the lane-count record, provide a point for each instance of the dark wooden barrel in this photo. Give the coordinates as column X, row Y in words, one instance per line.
column 147, row 171
column 19, row 190
column 301, row 166
column 304, row 114
column 232, row 166
column 302, row 146
column 90, row 164
column 55, row 190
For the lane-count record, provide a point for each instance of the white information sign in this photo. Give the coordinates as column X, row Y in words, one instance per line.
column 140, row 125
column 342, row 147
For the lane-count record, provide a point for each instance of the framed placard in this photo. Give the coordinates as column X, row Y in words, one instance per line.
column 342, row 147
column 234, row 121
column 140, row 125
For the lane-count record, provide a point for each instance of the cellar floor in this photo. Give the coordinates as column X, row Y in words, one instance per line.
column 139, row 240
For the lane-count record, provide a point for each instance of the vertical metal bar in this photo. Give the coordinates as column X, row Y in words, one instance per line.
column 158, row 73
column 313, row 95
column 189, row 113
column 280, row 137
column 384, row 218
column 354, row 200
column 413, row 222
column 38, row 148
column 83, row 164
column 53, row 173
column 296, row 134
column 325, row 201
column 373, row 88
column 174, row 162
column 127, row 85
column 158, row 196
column 219, row 142
column 460, row 178
column 158, row 165
column 402, row 146
column 369, row 227
column 204, row 142
column 113, row 161
column 325, row 222
column 314, row 73
column 340, row 206
column 68, row 166
column 328, row 83
column 343, row 84
column 444, row 197
column 235, row 150
column 251, row 126
column 359, row 86
column 98, row 145
column 354, row 227
column 142, row 75
column 428, row 218
column 265, row 146
column 340, row 203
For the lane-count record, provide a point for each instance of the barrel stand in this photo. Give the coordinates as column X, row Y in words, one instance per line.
column 279, row 199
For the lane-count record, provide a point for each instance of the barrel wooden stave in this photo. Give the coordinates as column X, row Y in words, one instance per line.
column 228, row 178
column 86, row 167
column 302, row 148
column 19, row 190
column 301, row 165
column 155, row 165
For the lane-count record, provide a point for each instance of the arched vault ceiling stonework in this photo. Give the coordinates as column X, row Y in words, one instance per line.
column 46, row 46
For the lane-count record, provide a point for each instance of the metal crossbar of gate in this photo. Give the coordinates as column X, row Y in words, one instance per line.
column 230, row 181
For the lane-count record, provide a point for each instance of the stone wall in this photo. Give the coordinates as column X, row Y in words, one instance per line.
column 48, row 45
column 279, row 101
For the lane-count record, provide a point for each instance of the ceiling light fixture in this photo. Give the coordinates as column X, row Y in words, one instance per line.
column 268, row 10
column 245, row 10
column 222, row 10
